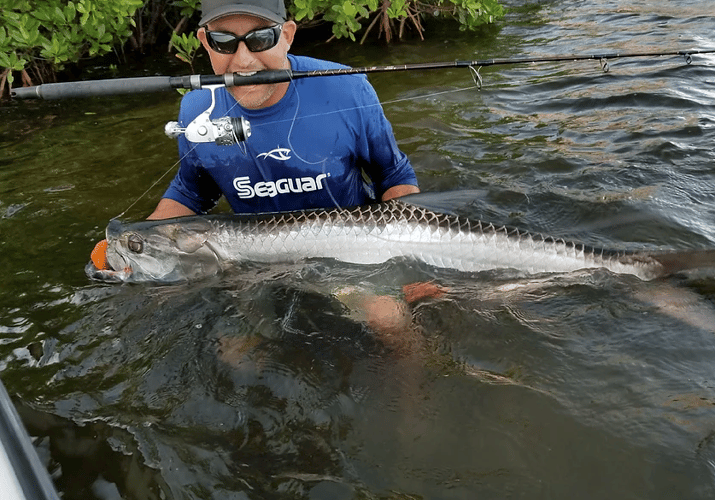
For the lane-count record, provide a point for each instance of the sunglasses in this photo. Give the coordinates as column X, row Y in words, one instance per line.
column 256, row 41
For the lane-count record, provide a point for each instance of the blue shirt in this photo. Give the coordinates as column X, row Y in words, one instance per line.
column 312, row 149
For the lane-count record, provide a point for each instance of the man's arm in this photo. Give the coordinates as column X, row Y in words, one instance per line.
column 399, row 190
column 168, row 208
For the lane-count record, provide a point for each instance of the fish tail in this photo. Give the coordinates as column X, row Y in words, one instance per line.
column 689, row 260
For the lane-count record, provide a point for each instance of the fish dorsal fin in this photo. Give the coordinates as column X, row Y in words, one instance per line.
column 443, row 202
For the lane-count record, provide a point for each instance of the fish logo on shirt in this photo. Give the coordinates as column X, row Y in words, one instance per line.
column 281, row 154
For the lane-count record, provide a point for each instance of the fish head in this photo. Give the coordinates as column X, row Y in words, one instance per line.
column 161, row 251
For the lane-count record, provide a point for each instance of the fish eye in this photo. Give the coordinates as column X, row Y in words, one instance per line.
column 135, row 243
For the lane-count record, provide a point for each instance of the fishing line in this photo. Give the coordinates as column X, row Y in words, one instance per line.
column 473, row 66
column 293, row 120
column 290, row 144
column 380, row 103
column 241, row 146
column 478, row 80
column 154, row 183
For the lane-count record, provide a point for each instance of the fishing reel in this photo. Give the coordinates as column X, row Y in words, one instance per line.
column 224, row 131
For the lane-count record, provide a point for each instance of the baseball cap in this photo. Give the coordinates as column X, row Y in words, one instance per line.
column 272, row 10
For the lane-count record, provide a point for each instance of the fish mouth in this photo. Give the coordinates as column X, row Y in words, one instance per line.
column 117, row 266
column 107, row 275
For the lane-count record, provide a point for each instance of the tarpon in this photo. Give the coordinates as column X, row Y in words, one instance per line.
column 191, row 247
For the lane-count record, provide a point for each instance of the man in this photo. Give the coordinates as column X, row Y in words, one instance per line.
column 313, row 140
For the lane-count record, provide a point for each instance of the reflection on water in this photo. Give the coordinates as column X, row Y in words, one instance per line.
column 261, row 384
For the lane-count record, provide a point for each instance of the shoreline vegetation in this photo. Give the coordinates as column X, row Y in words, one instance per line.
column 41, row 41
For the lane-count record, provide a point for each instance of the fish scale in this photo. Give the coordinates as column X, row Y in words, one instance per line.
column 191, row 247
column 376, row 233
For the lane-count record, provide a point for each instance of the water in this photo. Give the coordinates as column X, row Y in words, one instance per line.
column 259, row 385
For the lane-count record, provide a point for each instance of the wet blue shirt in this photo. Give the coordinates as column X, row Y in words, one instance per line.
column 307, row 151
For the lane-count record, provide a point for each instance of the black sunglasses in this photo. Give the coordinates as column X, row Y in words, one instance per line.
column 258, row 40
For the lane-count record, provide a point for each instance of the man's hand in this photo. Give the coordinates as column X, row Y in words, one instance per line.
column 422, row 290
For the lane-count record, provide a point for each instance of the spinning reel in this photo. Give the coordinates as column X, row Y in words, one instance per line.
column 224, row 131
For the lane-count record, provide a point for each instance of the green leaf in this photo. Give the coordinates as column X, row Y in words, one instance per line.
column 42, row 13
column 5, row 60
column 70, row 11
column 349, row 8
column 59, row 15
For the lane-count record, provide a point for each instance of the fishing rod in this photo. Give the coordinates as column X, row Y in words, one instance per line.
column 226, row 131
column 135, row 85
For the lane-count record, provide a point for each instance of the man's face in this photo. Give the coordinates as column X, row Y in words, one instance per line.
column 245, row 61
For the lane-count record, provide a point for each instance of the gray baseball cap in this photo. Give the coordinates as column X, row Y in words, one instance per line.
column 272, row 10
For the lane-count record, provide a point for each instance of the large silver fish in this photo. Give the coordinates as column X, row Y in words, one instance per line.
column 193, row 247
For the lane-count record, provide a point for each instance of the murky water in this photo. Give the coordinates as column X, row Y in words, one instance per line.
column 258, row 385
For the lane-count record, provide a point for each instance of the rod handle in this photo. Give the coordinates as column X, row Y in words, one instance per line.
column 93, row 88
